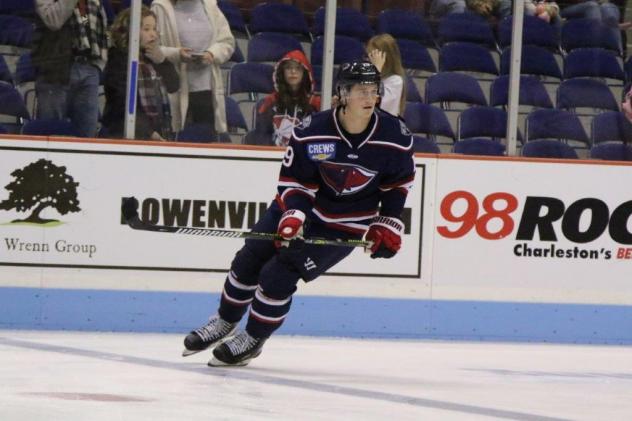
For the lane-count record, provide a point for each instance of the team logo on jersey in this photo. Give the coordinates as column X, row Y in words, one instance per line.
column 321, row 151
column 404, row 129
column 345, row 179
column 305, row 122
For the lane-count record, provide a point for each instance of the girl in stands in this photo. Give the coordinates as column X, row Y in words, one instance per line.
column 293, row 98
column 383, row 52
column 157, row 77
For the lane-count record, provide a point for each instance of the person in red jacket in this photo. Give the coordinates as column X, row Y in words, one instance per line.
column 293, row 98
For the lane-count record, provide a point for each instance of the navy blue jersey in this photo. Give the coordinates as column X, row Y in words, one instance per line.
column 345, row 180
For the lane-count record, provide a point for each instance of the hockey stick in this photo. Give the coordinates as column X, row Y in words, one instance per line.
column 130, row 213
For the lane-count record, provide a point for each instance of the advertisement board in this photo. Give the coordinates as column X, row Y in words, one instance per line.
column 525, row 231
column 61, row 207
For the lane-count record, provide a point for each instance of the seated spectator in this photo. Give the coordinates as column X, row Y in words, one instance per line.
column 547, row 11
column 489, row 9
column 69, row 51
column 156, row 78
column 293, row 98
column 626, row 106
column 196, row 38
column 606, row 12
column 384, row 53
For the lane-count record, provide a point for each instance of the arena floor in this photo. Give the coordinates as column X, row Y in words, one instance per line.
column 74, row 376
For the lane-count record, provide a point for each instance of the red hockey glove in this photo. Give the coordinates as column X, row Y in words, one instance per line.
column 386, row 235
column 290, row 226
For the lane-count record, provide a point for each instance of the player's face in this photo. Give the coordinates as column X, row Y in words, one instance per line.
column 362, row 99
column 148, row 32
column 293, row 74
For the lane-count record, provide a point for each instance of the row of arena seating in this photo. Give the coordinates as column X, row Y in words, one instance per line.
column 580, row 58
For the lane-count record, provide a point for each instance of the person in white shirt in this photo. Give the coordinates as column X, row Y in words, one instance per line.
column 383, row 52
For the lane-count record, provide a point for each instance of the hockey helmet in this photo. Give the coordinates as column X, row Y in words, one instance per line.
column 358, row 73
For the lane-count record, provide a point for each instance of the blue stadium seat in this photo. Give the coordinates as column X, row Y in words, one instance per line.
column 233, row 16
column 448, row 87
column 535, row 60
column 412, row 93
column 251, row 78
column 415, row 56
column 465, row 27
column 463, row 56
column 199, row 133
column 592, row 62
column 345, row 49
column 24, row 70
column 11, row 102
column 476, row 146
column 17, row 7
column 403, row 24
column 548, row 148
column 486, row 122
column 555, row 124
column 627, row 68
column 534, row 32
column 15, row 31
column 612, row 151
column 428, row 120
column 532, row 92
column 349, row 22
column 257, row 138
column 585, row 33
column 278, row 17
column 425, row 145
column 271, row 46
column 234, row 118
column 5, row 73
column 49, row 128
column 579, row 92
column 3, row 129
column 611, row 126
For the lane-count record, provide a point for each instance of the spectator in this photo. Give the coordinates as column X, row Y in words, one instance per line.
column 606, row 12
column 196, row 38
column 69, row 51
column 626, row 106
column 490, row 9
column 547, row 11
column 293, row 98
column 495, row 9
column 156, row 78
column 384, row 53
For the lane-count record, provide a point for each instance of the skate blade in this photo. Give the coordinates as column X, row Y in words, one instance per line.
column 188, row 352
column 218, row 363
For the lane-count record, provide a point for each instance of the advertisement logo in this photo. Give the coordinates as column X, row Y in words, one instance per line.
column 38, row 186
column 499, row 216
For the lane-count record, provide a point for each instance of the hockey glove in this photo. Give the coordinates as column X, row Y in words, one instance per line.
column 290, row 227
column 385, row 233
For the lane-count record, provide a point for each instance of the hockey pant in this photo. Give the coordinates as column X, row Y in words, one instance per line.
column 263, row 278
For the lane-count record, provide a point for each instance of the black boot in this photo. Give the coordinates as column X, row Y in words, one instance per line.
column 208, row 335
column 237, row 351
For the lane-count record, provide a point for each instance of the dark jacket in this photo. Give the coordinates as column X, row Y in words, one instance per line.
column 115, row 84
column 51, row 53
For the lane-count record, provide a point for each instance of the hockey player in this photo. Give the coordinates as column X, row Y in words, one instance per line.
column 346, row 173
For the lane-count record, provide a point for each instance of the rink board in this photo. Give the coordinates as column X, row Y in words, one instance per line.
column 90, row 272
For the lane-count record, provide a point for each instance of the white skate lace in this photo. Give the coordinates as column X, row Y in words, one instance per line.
column 214, row 328
column 241, row 343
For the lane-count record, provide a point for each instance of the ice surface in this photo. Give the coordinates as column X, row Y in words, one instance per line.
column 79, row 376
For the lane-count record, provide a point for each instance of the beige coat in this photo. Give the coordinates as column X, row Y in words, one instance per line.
column 222, row 47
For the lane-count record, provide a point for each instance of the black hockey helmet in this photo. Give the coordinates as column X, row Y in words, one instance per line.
column 358, row 73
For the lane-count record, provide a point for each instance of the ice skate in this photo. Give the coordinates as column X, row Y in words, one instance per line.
column 208, row 335
column 237, row 351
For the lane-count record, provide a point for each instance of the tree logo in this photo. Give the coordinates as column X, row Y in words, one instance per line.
column 38, row 186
